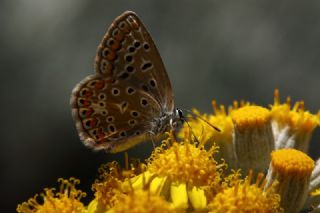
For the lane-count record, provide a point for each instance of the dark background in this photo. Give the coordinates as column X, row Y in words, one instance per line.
column 224, row 50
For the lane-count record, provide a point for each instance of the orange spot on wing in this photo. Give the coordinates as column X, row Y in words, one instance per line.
column 116, row 45
column 111, row 56
column 93, row 122
column 88, row 94
column 86, row 103
column 119, row 36
column 99, row 85
column 89, row 112
column 134, row 24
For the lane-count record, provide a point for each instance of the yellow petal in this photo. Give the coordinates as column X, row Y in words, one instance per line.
column 159, row 186
column 141, row 180
column 197, row 198
column 95, row 207
column 179, row 195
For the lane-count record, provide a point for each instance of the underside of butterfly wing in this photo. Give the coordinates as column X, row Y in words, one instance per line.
column 105, row 121
column 128, row 52
column 128, row 99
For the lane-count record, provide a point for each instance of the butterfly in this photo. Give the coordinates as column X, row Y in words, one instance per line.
column 129, row 99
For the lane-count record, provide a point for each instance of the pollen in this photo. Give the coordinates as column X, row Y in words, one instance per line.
column 246, row 197
column 141, row 201
column 291, row 162
column 250, row 116
column 185, row 162
column 108, row 185
column 295, row 117
column 66, row 200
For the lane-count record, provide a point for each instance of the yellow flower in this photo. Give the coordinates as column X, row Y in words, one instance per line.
column 292, row 127
column 252, row 129
column 243, row 128
column 242, row 196
column 246, row 126
column 109, row 185
column 185, row 162
column 141, row 201
column 106, row 186
column 209, row 136
column 182, row 173
column 292, row 169
column 122, row 190
column 67, row 200
column 196, row 174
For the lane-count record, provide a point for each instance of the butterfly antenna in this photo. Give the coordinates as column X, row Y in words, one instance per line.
column 195, row 137
column 204, row 120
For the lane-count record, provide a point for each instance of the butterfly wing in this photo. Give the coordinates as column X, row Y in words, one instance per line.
column 114, row 108
column 105, row 121
column 127, row 51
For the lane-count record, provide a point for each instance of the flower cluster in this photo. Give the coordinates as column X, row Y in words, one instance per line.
column 256, row 163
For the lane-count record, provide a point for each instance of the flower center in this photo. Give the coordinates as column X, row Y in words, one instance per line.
column 292, row 162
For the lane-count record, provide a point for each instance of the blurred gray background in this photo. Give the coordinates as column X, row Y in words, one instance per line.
column 221, row 50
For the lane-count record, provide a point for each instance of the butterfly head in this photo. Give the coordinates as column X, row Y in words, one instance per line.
column 176, row 119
